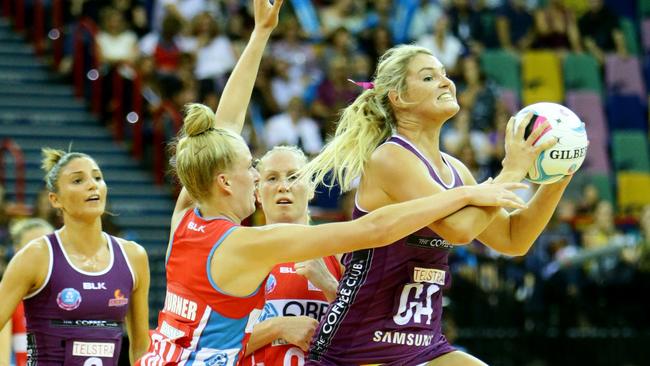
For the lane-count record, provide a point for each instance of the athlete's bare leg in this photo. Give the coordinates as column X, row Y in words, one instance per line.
column 456, row 358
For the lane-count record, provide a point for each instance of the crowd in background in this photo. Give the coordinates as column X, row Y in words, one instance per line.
column 591, row 262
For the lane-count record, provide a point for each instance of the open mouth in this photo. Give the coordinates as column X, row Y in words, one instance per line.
column 94, row 197
column 283, row 201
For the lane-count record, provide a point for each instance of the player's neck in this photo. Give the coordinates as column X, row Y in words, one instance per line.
column 304, row 220
column 82, row 237
column 208, row 212
column 425, row 138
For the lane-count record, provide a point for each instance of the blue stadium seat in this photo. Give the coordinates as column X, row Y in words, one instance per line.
column 624, row 8
column 626, row 112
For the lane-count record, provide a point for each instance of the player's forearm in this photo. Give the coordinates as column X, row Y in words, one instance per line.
column 5, row 344
column 466, row 224
column 138, row 337
column 137, row 349
column 237, row 93
column 395, row 221
column 526, row 225
column 263, row 333
column 329, row 288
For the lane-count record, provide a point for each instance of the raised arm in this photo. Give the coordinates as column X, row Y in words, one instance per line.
column 231, row 112
column 233, row 105
column 515, row 232
column 183, row 202
column 259, row 248
column 466, row 225
column 512, row 233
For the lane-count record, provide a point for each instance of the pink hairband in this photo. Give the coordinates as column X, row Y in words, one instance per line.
column 364, row 84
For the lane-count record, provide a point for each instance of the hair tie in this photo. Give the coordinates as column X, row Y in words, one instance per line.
column 364, row 84
column 204, row 132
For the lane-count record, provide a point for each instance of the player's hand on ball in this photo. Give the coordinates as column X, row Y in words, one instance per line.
column 297, row 330
column 496, row 194
column 521, row 152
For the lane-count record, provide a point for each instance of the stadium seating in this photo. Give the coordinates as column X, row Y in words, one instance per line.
column 626, row 112
column 645, row 35
column 623, row 76
column 588, row 106
column 604, row 184
column 541, row 77
column 582, row 72
column 630, row 151
column 644, row 8
column 503, row 67
column 509, row 100
column 633, row 190
column 631, row 38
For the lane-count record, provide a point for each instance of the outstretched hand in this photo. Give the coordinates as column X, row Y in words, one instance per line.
column 266, row 14
column 521, row 152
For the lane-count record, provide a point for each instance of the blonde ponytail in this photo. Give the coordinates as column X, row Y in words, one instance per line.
column 365, row 124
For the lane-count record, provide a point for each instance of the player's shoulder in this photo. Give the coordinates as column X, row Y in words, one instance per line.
column 36, row 251
column 133, row 250
column 392, row 158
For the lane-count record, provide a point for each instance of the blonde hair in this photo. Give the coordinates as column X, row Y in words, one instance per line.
column 297, row 152
column 200, row 150
column 53, row 161
column 19, row 228
column 365, row 124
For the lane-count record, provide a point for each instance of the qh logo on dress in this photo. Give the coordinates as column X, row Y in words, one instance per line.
column 119, row 299
column 68, row 299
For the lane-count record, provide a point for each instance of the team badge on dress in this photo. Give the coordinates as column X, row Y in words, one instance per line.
column 220, row 359
column 119, row 299
column 271, row 282
column 68, row 299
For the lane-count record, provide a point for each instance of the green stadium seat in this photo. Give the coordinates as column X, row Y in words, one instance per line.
column 630, row 151
column 644, row 7
column 582, row 72
column 631, row 39
column 503, row 68
column 603, row 182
